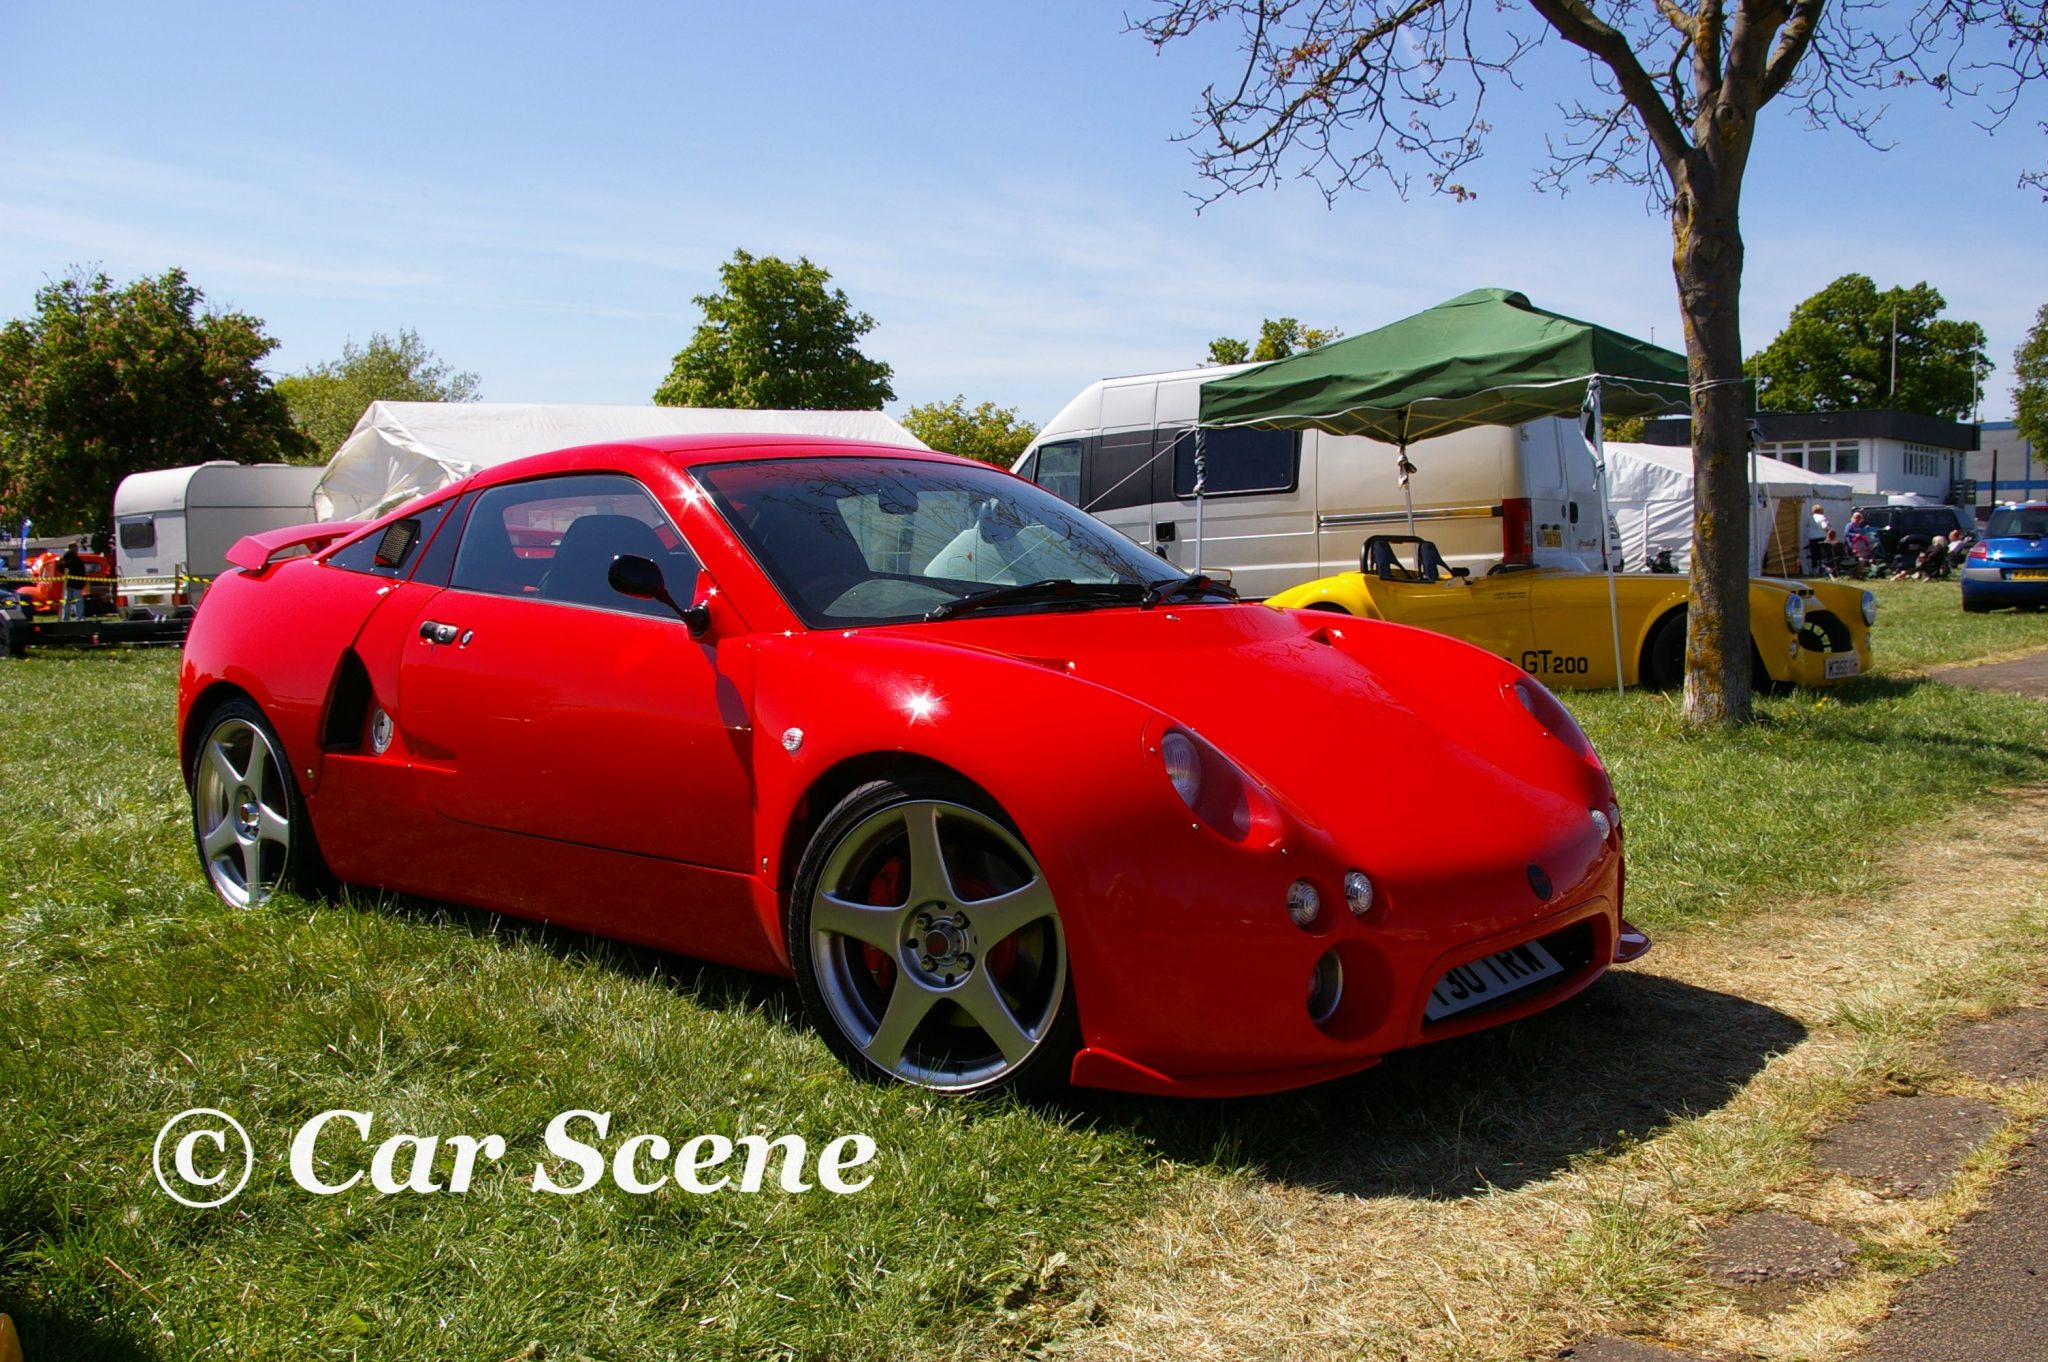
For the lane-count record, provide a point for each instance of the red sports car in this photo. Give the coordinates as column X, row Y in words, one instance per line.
column 1014, row 801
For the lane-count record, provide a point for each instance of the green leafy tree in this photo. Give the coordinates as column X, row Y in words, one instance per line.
column 328, row 399
column 777, row 337
column 1837, row 350
column 1354, row 93
column 1279, row 337
column 1228, row 350
column 986, row 431
column 2030, row 385
column 102, row 382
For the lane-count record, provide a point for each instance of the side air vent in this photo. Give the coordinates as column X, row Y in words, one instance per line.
column 348, row 706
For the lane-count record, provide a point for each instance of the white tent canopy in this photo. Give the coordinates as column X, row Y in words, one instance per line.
column 1650, row 493
column 402, row 449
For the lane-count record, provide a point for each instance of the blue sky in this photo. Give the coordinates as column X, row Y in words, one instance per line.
column 540, row 190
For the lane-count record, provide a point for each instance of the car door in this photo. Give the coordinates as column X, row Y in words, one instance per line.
column 539, row 701
column 1491, row 612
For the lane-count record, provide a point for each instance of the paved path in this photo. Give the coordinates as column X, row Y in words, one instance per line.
column 1991, row 1303
column 2022, row 676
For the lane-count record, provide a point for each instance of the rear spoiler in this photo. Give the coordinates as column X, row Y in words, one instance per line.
column 255, row 552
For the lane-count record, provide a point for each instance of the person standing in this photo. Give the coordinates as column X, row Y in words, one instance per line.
column 1817, row 538
column 71, row 571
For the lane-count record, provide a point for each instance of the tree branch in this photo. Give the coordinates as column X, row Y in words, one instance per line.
column 1793, row 43
column 1706, row 46
column 1580, row 27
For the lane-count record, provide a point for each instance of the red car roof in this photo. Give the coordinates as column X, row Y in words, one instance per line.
column 691, row 450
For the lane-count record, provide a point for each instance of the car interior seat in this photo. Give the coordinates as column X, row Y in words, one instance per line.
column 580, row 572
column 816, row 554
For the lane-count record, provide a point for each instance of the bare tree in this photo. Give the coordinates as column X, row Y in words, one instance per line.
column 1349, row 93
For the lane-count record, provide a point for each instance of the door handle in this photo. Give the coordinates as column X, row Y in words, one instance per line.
column 433, row 632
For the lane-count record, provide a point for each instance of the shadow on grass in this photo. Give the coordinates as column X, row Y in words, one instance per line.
column 710, row 985
column 1499, row 1109
column 62, row 1336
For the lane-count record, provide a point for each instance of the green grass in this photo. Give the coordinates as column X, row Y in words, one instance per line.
column 128, row 993
column 1805, row 799
column 1922, row 624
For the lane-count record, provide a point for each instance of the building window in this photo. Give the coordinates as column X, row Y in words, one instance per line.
column 1924, row 461
column 1818, row 456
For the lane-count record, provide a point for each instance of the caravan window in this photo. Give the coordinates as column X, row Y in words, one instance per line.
column 137, row 535
column 1239, row 460
column 1058, row 470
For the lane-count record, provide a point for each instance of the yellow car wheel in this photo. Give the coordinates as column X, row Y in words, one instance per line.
column 1664, row 658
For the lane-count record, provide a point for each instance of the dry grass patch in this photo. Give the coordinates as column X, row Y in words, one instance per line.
column 1364, row 1263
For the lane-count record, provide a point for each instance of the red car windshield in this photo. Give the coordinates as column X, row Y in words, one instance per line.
column 885, row 541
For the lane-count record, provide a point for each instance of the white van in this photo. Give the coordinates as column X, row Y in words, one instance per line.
column 1283, row 507
column 173, row 527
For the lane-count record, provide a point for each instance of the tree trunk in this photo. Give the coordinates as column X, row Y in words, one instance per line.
column 1707, row 260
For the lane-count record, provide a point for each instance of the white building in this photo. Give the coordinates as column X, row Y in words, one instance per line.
column 2005, row 468
column 1881, row 454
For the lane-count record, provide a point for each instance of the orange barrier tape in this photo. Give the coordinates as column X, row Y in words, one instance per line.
column 110, row 581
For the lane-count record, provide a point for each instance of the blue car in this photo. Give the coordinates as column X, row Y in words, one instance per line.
column 2009, row 565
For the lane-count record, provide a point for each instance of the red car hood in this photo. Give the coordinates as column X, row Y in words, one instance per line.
column 1357, row 728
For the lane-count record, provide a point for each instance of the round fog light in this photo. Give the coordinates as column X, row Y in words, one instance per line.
column 1303, row 903
column 1325, row 988
column 1602, row 824
column 1358, row 893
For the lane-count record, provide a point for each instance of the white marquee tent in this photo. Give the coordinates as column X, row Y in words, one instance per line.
column 1649, row 491
column 400, row 449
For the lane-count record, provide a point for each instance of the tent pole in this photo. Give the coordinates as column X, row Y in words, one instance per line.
column 1405, row 470
column 1599, row 438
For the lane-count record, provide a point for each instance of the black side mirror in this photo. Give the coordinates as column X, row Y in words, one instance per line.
column 638, row 576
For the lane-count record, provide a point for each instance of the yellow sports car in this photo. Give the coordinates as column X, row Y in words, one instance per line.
column 1553, row 623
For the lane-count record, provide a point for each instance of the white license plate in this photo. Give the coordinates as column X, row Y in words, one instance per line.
column 1846, row 665
column 1496, row 976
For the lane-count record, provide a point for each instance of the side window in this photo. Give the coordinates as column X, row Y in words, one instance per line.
column 138, row 534
column 1239, row 459
column 388, row 552
column 554, row 539
column 1117, row 472
column 1057, row 469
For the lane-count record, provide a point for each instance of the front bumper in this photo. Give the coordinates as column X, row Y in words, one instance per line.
column 1226, row 1012
column 1829, row 651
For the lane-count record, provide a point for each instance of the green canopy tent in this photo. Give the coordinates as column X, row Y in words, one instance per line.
column 1488, row 357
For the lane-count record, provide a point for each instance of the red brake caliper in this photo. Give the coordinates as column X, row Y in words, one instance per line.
column 886, row 890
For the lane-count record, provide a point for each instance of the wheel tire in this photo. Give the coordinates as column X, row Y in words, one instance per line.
column 249, row 820
column 1664, row 659
column 1971, row 607
column 918, row 991
column 1328, row 608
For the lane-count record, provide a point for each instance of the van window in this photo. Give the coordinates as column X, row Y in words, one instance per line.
column 1058, row 470
column 1239, row 460
column 1119, row 472
column 138, row 534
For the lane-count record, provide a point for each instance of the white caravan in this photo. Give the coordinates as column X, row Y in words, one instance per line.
column 173, row 527
column 1283, row 507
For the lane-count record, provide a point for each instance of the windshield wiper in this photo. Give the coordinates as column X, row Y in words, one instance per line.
column 1166, row 588
column 1057, row 589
